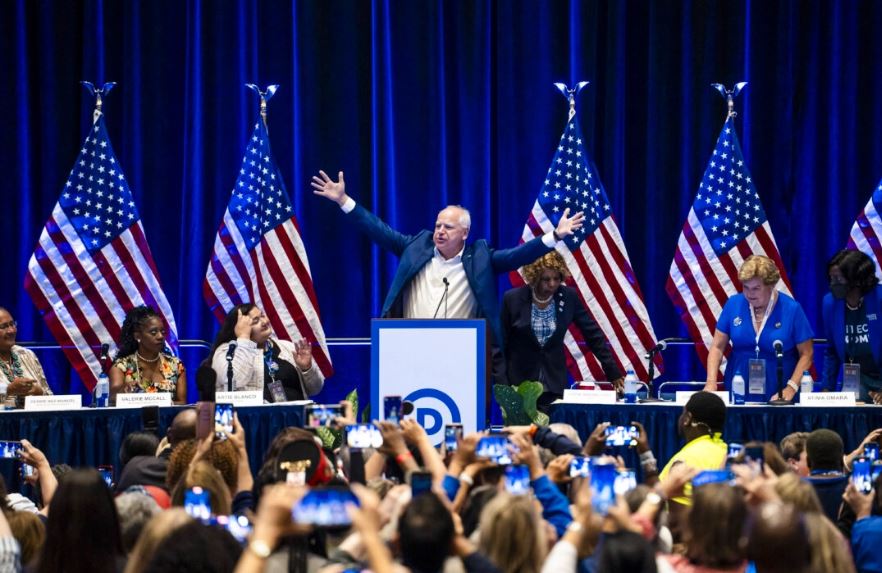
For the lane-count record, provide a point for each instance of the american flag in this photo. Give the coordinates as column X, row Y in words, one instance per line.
column 259, row 256
column 92, row 263
column 725, row 225
column 597, row 259
column 867, row 229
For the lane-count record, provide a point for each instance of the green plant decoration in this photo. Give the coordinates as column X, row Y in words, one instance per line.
column 332, row 438
column 518, row 403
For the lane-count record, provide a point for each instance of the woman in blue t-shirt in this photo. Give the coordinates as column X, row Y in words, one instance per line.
column 753, row 321
column 853, row 325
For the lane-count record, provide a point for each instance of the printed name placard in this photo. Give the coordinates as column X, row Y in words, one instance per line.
column 682, row 396
column 240, row 398
column 143, row 399
column 827, row 399
column 57, row 402
column 589, row 396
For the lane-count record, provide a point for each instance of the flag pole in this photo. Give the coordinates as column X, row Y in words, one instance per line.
column 570, row 94
column 98, row 92
column 265, row 96
column 729, row 96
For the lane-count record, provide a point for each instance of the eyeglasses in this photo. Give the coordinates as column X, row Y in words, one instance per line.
column 11, row 325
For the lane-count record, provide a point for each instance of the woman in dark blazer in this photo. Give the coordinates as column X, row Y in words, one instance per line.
column 853, row 323
column 535, row 319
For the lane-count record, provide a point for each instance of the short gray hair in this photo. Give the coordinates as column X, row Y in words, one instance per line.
column 135, row 509
column 465, row 219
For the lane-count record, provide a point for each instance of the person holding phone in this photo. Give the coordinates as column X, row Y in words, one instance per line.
column 283, row 370
column 753, row 321
column 851, row 312
column 20, row 371
column 535, row 319
column 142, row 362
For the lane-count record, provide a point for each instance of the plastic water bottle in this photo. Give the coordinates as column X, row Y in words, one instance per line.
column 102, row 391
column 806, row 384
column 738, row 388
column 631, row 383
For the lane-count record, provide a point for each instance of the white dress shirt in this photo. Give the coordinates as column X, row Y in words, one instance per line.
column 425, row 292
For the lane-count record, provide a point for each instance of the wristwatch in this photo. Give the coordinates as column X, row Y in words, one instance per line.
column 260, row 548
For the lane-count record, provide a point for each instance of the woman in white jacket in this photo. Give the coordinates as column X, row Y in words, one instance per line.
column 245, row 356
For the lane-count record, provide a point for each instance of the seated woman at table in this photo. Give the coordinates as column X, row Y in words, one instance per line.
column 753, row 321
column 20, row 371
column 142, row 363
column 851, row 323
column 282, row 370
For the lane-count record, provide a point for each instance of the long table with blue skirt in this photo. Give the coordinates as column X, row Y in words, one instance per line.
column 92, row 437
column 743, row 423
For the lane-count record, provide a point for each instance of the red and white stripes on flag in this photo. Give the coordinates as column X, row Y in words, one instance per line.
column 92, row 263
column 726, row 224
column 259, row 256
column 867, row 229
column 597, row 260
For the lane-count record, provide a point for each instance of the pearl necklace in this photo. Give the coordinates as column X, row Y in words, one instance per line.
column 147, row 360
column 538, row 300
column 855, row 307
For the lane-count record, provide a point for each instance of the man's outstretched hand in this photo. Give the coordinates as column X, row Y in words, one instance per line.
column 565, row 227
column 323, row 186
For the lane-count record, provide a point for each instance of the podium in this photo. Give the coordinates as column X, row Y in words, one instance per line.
column 438, row 364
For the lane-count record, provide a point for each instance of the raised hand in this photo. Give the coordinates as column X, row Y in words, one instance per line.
column 324, row 186
column 243, row 325
column 569, row 225
column 303, row 354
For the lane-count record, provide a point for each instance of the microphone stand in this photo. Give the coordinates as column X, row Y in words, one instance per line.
column 779, row 370
column 102, row 360
column 230, row 370
column 443, row 299
column 650, row 356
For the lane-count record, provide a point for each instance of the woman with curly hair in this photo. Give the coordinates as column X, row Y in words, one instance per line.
column 142, row 363
column 535, row 319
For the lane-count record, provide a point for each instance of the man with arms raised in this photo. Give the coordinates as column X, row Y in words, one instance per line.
column 430, row 260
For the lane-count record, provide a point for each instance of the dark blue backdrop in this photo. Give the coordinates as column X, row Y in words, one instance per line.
column 427, row 103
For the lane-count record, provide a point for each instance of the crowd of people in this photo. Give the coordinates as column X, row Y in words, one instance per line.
column 187, row 504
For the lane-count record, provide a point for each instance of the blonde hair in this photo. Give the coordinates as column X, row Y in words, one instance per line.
column 552, row 261
column 512, row 535
column 829, row 550
column 759, row 267
column 204, row 475
column 30, row 533
column 791, row 489
column 157, row 530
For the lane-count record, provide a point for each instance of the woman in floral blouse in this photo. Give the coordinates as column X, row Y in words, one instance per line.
column 141, row 364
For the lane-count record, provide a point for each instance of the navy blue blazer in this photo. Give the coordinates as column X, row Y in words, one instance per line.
column 480, row 262
column 834, row 330
column 523, row 355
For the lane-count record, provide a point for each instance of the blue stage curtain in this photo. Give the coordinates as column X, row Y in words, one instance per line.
column 428, row 103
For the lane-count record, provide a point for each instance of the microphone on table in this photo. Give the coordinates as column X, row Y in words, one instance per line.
column 650, row 358
column 231, row 350
column 443, row 299
column 662, row 344
column 779, row 349
column 779, row 371
column 102, row 357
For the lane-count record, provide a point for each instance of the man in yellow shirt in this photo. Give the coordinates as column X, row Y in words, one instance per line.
column 701, row 425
